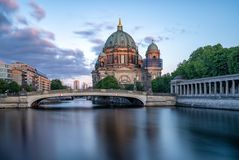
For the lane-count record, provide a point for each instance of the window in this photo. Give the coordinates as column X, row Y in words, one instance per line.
column 122, row 59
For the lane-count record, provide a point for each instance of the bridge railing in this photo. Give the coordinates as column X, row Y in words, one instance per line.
column 82, row 91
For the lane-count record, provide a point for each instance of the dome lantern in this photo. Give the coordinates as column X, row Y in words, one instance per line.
column 120, row 26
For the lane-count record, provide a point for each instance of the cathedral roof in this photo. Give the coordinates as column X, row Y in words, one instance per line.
column 102, row 54
column 153, row 47
column 120, row 39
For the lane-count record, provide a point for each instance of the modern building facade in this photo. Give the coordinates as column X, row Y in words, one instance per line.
column 76, row 84
column 5, row 71
column 120, row 58
column 25, row 74
column 84, row 86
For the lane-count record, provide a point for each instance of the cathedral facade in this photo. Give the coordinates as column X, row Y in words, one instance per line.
column 121, row 59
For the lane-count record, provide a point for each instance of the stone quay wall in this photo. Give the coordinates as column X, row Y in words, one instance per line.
column 157, row 101
column 13, row 102
column 230, row 103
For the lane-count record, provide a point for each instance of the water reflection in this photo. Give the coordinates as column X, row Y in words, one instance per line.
column 140, row 133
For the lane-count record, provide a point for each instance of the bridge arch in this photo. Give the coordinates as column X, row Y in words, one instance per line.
column 34, row 99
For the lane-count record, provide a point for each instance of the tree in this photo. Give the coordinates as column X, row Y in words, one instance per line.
column 129, row 87
column 27, row 88
column 109, row 82
column 139, row 86
column 56, row 84
column 3, row 86
column 13, row 87
column 209, row 61
column 233, row 60
column 161, row 84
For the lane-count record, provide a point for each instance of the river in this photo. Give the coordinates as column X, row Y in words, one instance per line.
column 78, row 129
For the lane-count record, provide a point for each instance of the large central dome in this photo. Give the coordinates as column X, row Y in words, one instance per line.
column 120, row 39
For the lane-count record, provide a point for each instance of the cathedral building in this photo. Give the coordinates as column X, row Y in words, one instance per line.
column 120, row 58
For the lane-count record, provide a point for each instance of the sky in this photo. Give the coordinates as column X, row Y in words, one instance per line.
column 63, row 38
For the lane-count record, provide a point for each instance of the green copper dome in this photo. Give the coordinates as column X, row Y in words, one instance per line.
column 120, row 39
column 153, row 47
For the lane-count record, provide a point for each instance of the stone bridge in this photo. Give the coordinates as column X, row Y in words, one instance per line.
column 32, row 98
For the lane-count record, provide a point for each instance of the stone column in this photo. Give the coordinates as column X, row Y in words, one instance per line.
column 191, row 89
column 187, row 89
column 215, row 87
column 200, row 88
column 210, row 88
column 233, row 87
column 184, row 89
column 177, row 89
column 205, row 88
column 220, row 87
column 171, row 89
column 227, row 87
column 180, row 89
column 196, row 89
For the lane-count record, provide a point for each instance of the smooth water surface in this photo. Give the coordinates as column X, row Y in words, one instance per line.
column 74, row 130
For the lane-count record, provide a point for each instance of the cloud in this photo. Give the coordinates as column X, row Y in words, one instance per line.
column 150, row 39
column 136, row 28
column 22, row 20
column 86, row 33
column 8, row 5
column 29, row 46
column 7, row 8
column 5, row 24
column 175, row 30
column 38, row 12
column 98, row 45
column 92, row 29
column 109, row 27
column 97, row 41
column 35, row 46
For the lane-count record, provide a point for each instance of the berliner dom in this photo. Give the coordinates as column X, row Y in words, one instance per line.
column 120, row 57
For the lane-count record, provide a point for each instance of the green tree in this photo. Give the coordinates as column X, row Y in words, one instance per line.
column 233, row 60
column 161, row 84
column 27, row 88
column 209, row 61
column 109, row 82
column 3, row 86
column 56, row 84
column 13, row 87
column 139, row 86
column 129, row 87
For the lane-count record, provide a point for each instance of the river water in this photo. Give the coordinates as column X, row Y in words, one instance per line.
column 74, row 130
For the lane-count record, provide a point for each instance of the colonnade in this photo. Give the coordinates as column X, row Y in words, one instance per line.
column 222, row 85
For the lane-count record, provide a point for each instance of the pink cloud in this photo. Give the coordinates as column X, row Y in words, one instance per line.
column 38, row 12
column 9, row 4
